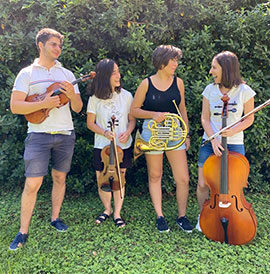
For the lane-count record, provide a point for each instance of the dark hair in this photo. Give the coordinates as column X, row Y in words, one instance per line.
column 230, row 69
column 163, row 54
column 101, row 84
column 45, row 34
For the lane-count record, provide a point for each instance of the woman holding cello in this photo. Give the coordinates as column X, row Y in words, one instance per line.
column 227, row 81
column 109, row 100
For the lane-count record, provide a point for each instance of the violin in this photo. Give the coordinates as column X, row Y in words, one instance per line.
column 111, row 178
column 40, row 115
column 227, row 216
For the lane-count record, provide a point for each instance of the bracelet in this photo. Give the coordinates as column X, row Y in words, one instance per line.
column 188, row 135
column 105, row 131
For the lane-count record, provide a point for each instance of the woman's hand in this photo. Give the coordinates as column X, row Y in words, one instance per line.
column 228, row 133
column 108, row 134
column 217, row 147
column 123, row 137
column 187, row 143
column 159, row 116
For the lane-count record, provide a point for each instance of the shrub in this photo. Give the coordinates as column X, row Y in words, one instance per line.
column 128, row 31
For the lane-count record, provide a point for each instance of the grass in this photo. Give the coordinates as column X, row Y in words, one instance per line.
column 137, row 248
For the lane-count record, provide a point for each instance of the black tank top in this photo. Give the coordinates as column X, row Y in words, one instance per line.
column 156, row 100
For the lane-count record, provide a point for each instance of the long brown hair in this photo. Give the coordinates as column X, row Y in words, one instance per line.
column 101, row 85
column 230, row 69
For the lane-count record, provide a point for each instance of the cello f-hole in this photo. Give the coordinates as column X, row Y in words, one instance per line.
column 215, row 201
column 236, row 204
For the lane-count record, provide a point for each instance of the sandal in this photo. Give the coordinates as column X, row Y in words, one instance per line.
column 119, row 222
column 101, row 218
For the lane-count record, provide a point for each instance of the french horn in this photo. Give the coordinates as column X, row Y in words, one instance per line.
column 173, row 128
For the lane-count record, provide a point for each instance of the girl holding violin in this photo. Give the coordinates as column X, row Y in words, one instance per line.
column 108, row 99
column 153, row 99
column 227, row 81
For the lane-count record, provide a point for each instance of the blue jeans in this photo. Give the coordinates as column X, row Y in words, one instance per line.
column 207, row 150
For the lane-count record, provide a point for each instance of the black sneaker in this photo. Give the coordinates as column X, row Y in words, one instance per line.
column 162, row 225
column 19, row 240
column 59, row 225
column 184, row 224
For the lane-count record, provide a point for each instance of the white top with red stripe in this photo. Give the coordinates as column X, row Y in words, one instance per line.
column 35, row 79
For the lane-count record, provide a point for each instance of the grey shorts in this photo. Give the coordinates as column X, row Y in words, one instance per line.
column 40, row 147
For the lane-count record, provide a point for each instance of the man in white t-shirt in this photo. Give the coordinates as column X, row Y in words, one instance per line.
column 54, row 137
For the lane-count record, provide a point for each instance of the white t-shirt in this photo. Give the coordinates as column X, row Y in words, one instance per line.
column 119, row 106
column 35, row 79
column 238, row 97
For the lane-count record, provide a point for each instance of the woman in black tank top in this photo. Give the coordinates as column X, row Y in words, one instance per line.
column 153, row 99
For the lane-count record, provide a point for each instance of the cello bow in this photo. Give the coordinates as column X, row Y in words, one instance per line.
column 266, row 103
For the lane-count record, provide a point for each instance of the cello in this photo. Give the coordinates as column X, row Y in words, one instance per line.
column 227, row 216
column 111, row 178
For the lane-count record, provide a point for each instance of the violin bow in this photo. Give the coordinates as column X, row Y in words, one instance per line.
column 266, row 103
column 116, row 158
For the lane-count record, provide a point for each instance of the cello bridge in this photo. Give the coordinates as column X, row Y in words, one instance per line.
column 224, row 205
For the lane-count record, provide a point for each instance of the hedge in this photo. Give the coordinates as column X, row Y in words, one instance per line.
column 128, row 31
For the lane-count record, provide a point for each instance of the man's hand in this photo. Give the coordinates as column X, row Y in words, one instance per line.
column 51, row 101
column 68, row 89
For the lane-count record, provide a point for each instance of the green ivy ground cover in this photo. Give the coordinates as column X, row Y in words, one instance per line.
column 137, row 248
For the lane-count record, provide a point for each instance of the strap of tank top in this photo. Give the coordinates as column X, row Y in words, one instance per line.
column 149, row 82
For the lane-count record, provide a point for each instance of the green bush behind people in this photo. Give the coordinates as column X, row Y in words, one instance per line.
column 128, row 31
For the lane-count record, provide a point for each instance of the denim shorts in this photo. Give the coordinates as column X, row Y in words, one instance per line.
column 40, row 147
column 146, row 134
column 126, row 161
column 207, row 150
